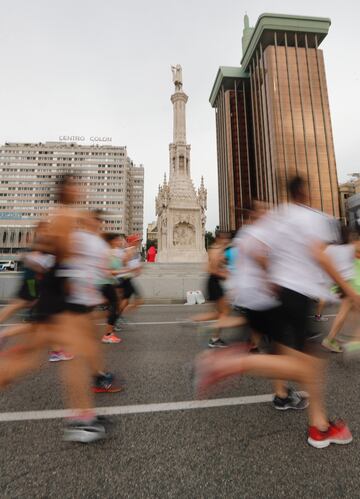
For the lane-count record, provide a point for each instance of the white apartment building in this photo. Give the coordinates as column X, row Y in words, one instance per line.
column 28, row 182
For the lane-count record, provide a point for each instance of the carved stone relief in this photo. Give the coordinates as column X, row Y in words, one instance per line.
column 184, row 235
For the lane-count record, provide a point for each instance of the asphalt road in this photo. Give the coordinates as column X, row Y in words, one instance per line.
column 247, row 450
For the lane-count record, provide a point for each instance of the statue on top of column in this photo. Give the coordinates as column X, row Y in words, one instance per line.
column 177, row 77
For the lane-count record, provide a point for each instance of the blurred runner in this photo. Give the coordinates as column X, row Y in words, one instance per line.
column 132, row 262
column 217, row 273
column 294, row 238
column 109, row 286
column 346, row 257
column 62, row 316
column 28, row 291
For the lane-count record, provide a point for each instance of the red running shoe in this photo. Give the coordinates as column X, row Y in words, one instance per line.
column 111, row 338
column 337, row 433
column 107, row 389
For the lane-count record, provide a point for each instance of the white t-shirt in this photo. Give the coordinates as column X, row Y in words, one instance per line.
column 251, row 285
column 133, row 264
column 343, row 256
column 88, row 266
column 118, row 253
column 292, row 231
column 44, row 260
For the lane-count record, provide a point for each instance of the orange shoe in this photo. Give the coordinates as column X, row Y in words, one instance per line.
column 111, row 338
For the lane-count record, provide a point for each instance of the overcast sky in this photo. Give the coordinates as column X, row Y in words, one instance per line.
column 86, row 67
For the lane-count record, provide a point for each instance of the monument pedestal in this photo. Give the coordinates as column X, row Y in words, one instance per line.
column 181, row 256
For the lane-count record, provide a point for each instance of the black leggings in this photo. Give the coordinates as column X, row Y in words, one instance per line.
column 109, row 291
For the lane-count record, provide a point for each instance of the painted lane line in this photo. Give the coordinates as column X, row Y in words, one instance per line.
column 145, row 323
column 138, row 408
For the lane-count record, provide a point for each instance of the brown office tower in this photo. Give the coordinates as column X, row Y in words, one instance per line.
column 273, row 118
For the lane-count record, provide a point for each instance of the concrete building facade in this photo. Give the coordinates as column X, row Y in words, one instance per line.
column 349, row 194
column 29, row 174
column 273, row 118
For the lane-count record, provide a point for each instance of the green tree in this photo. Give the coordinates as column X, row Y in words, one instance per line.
column 209, row 239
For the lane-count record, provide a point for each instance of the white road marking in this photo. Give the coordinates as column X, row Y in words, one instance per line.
column 146, row 323
column 139, row 408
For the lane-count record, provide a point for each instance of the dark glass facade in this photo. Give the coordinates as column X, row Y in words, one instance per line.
column 275, row 122
column 235, row 153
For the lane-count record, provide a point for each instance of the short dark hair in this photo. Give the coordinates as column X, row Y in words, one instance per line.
column 296, row 187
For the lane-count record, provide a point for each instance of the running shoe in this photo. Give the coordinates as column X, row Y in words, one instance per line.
column 84, row 431
column 111, row 338
column 54, row 357
column 103, row 383
column 337, row 433
column 294, row 400
column 332, row 345
column 218, row 343
column 59, row 356
column 320, row 318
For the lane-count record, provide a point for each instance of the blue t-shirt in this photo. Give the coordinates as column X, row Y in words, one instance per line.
column 231, row 254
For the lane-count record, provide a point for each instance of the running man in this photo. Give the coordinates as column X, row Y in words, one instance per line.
column 294, row 239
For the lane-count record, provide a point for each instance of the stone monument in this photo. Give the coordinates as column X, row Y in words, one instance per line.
column 180, row 209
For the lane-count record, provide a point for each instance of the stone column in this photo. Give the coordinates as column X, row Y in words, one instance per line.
column 179, row 100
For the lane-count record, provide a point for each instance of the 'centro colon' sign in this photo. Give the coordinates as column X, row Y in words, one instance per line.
column 81, row 138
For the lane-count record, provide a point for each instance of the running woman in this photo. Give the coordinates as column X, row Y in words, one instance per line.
column 109, row 288
column 217, row 273
column 55, row 321
column 346, row 257
column 132, row 262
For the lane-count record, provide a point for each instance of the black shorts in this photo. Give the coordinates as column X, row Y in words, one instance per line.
column 28, row 290
column 286, row 324
column 77, row 308
column 266, row 322
column 51, row 299
column 214, row 289
column 129, row 289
